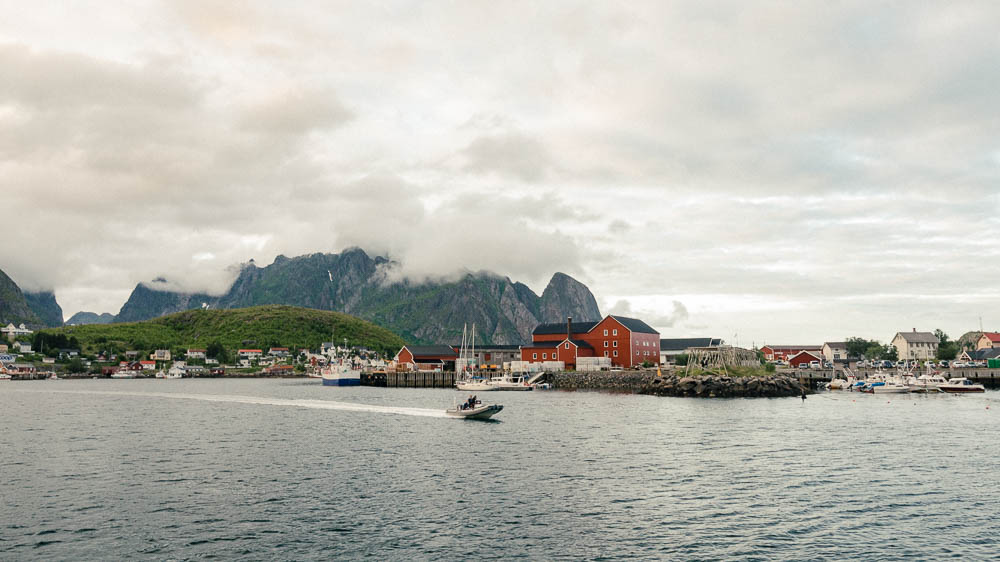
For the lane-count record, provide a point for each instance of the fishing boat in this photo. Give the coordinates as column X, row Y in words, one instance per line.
column 961, row 385
column 478, row 412
column 340, row 374
column 5, row 377
column 123, row 375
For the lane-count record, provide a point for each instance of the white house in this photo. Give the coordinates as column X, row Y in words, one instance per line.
column 250, row 354
column 23, row 347
column 835, row 351
column 915, row 345
column 196, row 354
column 160, row 355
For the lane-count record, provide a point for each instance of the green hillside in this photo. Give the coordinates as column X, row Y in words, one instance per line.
column 260, row 326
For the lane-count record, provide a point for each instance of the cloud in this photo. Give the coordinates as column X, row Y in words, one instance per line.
column 677, row 316
column 787, row 162
column 510, row 154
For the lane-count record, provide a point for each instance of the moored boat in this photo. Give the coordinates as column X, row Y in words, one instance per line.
column 5, row 377
column 960, row 385
column 926, row 383
column 340, row 375
column 510, row 381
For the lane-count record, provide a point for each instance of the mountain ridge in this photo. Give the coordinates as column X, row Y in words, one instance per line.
column 352, row 282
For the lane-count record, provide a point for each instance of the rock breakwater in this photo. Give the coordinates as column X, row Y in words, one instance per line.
column 721, row 386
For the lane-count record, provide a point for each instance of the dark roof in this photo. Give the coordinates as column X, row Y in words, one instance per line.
column 424, row 350
column 635, row 325
column 493, row 347
column 542, row 345
column 560, row 328
column 987, row 353
column 580, row 343
column 794, row 347
column 679, row 344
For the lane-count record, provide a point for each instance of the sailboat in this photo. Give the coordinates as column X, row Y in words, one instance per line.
column 467, row 379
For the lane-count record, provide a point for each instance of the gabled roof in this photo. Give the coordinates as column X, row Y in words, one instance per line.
column 492, row 347
column 635, row 325
column 425, row 350
column 579, row 343
column 807, row 352
column 794, row 347
column 680, row 344
column 992, row 336
column 560, row 328
column 837, row 344
column 918, row 337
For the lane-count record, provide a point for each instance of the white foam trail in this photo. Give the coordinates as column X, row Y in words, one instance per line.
column 235, row 399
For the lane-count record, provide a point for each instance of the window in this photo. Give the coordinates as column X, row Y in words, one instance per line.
column 605, row 343
column 606, row 353
column 605, row 333
column 616, row 343
column 614, row 332
column 637, row 352
column 534, row 356
column 544, row 356
column 567, row 345
column 616, row 353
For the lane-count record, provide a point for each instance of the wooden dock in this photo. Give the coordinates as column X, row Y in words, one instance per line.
column 409, row 379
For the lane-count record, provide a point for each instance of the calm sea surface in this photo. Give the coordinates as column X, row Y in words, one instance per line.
column 289, row 469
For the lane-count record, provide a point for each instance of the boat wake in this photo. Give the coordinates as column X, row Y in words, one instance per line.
column 258, row 400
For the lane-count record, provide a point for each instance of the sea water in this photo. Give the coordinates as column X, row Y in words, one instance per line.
column 290, row 469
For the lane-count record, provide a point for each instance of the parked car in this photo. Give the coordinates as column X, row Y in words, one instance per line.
column 943, row 364
column 814, row 364
column 957, row 364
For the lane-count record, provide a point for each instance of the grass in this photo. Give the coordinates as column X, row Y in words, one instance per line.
column 259, row 326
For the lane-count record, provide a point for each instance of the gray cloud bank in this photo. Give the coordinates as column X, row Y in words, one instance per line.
column 754, row 163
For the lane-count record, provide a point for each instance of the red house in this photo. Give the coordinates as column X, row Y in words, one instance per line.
column 804, row 357
column 785, row 352
column 443, row 356
column 628, row 342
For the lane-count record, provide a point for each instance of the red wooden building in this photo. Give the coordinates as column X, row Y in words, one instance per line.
column 628, row 342
column 804, row 358
column 441, row 356
column 785, row 352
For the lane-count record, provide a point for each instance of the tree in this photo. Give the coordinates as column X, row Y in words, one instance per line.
column 890, row 352
column 75, row 365
column 947, row 349
column 858, row 347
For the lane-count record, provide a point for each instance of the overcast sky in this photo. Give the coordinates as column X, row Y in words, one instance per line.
column 764, row 172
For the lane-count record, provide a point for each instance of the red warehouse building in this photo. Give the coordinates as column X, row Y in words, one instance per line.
column 785, row 352
column 628, row 342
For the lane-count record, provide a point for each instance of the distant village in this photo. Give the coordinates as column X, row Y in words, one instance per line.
column 610, row 344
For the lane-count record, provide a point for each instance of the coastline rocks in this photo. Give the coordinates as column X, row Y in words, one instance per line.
column 720, row 386
column 707, row 386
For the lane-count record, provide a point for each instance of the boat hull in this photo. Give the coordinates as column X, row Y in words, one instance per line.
column 480, row 413
column 958, row 390
column 342, row 382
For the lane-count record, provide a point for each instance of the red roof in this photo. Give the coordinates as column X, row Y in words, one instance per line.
column 147, row 362
column 251, row 351
column 993, row 336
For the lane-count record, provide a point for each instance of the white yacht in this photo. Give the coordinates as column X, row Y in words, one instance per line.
column 510, row 381
column 926, row 383
column 467, row 379
column 123, row 375
column 961, row 385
